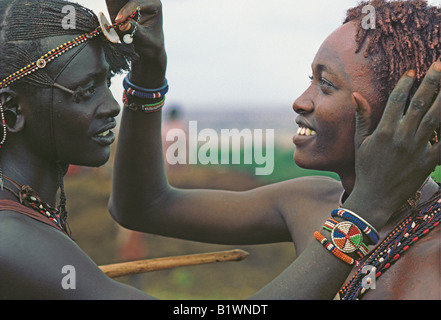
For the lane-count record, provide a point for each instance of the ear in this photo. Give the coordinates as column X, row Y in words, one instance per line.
column 13, row 113
column 363, row 118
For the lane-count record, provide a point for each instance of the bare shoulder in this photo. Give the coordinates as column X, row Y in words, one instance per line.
column 416, row 275
column 311, row 191
column 308, row 187
column 35, row 260
column 305, row 203
column 421, row 270
column 27, row 255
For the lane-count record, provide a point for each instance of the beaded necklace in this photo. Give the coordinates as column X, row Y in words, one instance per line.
column 30, row 199
column 407, row 233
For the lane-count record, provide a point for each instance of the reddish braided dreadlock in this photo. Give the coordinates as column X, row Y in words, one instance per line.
column 407, row 36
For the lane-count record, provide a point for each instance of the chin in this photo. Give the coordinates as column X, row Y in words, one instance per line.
column 302, row 162
column 96, row 161
column 310, row 163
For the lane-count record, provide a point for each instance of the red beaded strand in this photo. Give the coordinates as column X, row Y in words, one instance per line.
column 391, row 249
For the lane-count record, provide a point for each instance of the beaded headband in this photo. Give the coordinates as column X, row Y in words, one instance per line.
column 105, row 28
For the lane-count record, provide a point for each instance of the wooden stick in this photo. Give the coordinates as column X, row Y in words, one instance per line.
column 134, row 267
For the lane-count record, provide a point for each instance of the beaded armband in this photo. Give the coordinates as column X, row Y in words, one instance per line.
column 329, row 246
column 144, row 93
column 346, row 237
column 365, row 227
column 147, row 108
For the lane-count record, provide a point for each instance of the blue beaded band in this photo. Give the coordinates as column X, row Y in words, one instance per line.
column 366, row 228
column 144, row 93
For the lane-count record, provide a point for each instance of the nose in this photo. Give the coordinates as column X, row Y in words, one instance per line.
column 303, row 104
column 110, row 108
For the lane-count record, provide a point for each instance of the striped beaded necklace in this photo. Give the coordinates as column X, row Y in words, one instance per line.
column 398, row 242
column 29, row 198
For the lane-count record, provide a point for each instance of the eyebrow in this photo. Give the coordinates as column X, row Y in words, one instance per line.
column 104, row 71
column 321, row 67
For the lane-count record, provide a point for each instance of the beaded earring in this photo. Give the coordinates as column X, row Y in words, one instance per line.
column 2, row 141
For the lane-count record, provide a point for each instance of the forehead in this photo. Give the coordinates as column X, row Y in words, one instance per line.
column 78, row 64
column 338, row 54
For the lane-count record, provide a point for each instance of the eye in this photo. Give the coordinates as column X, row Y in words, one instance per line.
column 325, row 85
column 109, row 82
column 89, row 91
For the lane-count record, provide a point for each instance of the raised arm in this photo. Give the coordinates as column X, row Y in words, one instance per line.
column 142, row 198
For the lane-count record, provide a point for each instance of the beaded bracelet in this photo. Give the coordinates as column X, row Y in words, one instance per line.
column 328, row 245
column 346, row 237
column 148, row 108
column 144, row 93
column 367, row 229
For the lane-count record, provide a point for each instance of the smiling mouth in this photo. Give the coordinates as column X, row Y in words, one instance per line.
column 103, row 134
column 106, row 137
column 304, row 131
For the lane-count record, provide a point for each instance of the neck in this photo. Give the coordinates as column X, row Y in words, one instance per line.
column 428, row 190
column 348, row 182
column 41, row 175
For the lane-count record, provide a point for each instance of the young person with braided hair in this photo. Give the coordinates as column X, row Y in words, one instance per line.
column 351, row 96
column 56, row 110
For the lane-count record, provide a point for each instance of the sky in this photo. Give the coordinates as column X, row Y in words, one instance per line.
column 242, row 53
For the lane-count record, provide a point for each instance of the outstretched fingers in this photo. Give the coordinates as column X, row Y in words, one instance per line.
column 396, row 103
column 423, row 110
column 429, row 130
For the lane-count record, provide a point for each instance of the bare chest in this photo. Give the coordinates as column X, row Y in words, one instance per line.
column 411, row 274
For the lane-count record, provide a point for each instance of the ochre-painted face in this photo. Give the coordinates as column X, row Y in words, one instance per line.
column 326, row 107
column 80, row 133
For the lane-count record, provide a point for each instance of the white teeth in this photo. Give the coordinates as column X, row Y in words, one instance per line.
column 104, row 134
column 306, row 132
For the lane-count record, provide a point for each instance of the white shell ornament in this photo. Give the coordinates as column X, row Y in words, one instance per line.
column 110, row 34
column 128, row 38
